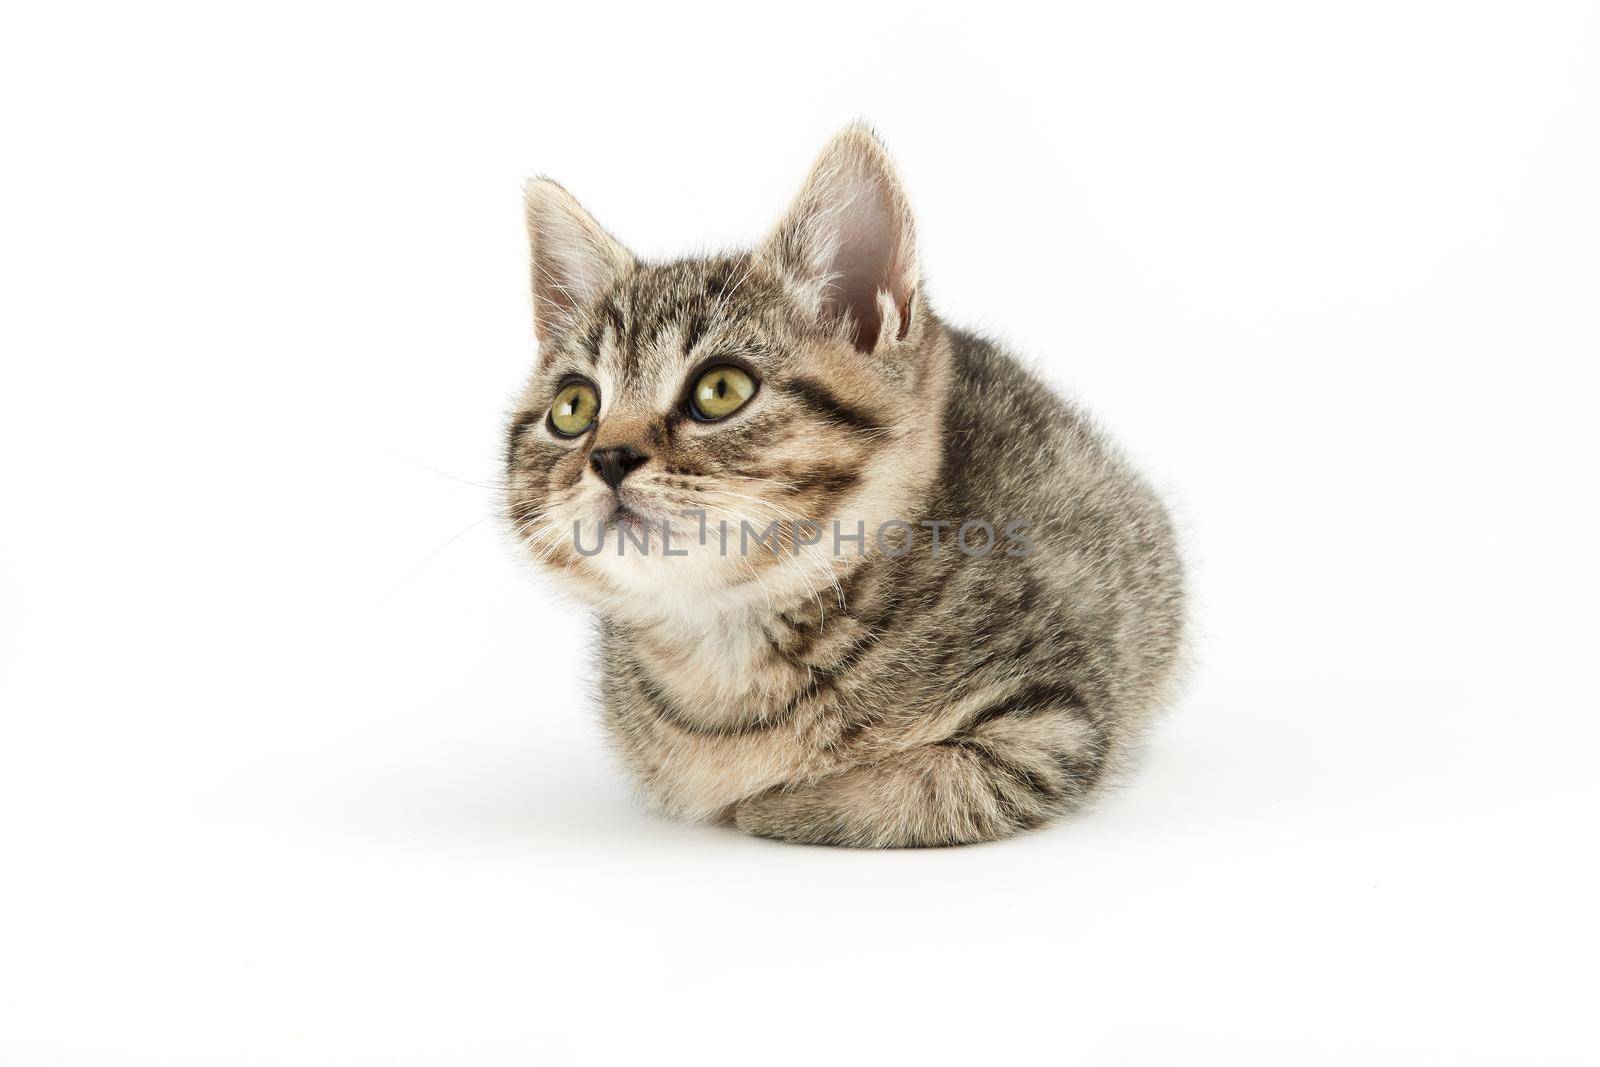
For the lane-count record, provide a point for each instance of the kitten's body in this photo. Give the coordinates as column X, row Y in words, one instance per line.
column 889, row 696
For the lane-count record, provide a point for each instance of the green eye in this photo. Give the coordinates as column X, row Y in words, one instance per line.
column 720, row 392
column 574, row 409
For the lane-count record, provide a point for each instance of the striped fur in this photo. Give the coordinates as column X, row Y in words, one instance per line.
column 875, row 698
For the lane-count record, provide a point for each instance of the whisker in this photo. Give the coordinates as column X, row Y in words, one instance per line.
column 452, row 477
column 479, row 522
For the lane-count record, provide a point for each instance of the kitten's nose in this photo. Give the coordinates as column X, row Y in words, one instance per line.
column 615, row 464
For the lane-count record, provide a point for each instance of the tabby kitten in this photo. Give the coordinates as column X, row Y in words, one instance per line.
column 864, row 675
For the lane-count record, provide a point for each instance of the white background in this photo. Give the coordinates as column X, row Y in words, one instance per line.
column 299, row 766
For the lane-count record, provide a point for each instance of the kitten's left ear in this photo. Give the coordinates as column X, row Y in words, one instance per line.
column 574, row 260
column 848, row 245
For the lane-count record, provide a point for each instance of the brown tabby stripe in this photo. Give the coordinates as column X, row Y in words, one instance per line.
column 1009, row 771
column 665, row 711
column 1033, row 700
column 519, row 426
column 822, row 403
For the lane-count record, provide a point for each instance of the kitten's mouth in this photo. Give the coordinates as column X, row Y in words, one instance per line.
column 635, row 512
column 622, row 515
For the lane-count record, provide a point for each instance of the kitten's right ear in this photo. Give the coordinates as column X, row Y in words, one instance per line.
column 574, row 260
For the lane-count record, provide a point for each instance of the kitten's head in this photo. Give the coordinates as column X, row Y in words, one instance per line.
column 798, row 383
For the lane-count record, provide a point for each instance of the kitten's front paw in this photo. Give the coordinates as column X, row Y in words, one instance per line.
column 777, row 814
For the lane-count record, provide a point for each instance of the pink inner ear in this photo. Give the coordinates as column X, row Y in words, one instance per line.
column 574, row 260
column 868, row 258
